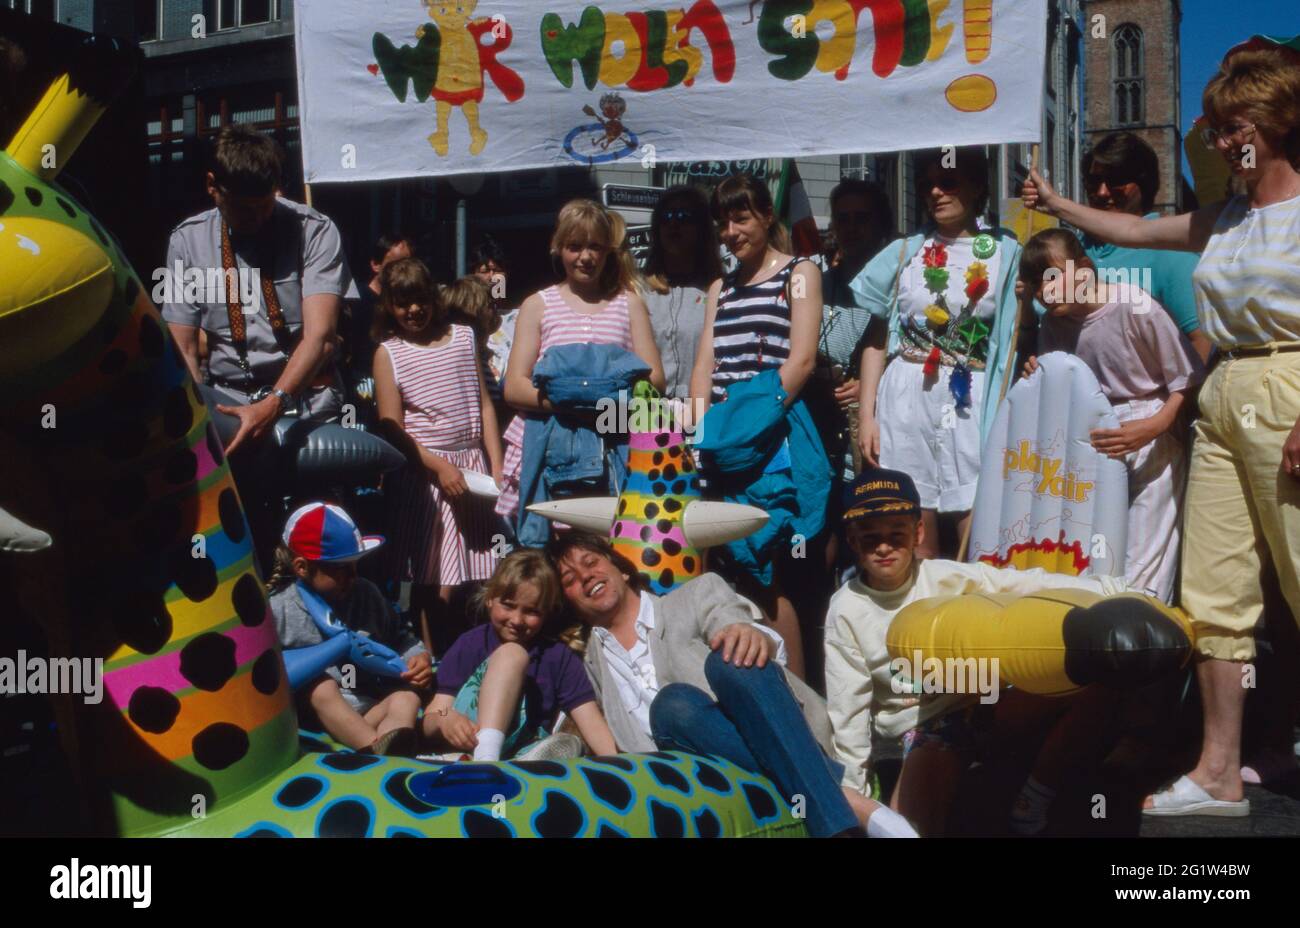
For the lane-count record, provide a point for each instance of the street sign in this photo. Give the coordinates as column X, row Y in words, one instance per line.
column 622, row 196
column 638, row 242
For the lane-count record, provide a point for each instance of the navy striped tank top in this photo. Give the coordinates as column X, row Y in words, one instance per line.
column 751, row 330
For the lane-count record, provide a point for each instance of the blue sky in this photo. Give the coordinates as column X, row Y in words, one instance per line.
column 1211, row 27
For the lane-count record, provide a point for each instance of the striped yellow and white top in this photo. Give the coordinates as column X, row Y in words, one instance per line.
column 1247, row 285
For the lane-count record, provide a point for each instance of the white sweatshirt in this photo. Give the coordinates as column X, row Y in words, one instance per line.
column 859, row 697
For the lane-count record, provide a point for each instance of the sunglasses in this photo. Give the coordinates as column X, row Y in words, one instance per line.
column 678, row 215
column 1112, row 181
column 859, row 216
column 948, row 183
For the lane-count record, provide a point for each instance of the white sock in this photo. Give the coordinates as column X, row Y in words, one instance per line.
column 489, row 745
column 1029, row 814
column 886, row 823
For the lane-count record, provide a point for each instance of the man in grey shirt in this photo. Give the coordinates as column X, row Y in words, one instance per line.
column 271, row 333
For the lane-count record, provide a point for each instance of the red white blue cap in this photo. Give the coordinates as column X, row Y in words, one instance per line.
column 324, row 532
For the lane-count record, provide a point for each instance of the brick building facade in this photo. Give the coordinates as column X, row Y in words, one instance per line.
column 1131, row 81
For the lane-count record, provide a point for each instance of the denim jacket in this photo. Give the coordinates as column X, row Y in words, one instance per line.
column 563, row 456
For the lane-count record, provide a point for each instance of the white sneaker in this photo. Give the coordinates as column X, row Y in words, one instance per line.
column 553, row 747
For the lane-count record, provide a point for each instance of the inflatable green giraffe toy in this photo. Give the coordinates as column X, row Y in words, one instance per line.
column 118, row 495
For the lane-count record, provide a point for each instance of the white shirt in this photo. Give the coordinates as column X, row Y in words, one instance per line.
column 1247, row 290
column 634, row 671
column 860, row 699
column 914, row 297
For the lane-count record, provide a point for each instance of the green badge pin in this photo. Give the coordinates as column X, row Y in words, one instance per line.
column 984, row 246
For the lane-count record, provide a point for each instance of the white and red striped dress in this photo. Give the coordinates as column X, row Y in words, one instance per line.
column 445, row 542
column 561, row 325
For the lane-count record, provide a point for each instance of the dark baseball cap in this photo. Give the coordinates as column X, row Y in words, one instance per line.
column 879, row 492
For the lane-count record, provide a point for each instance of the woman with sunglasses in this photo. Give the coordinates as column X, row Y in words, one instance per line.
column 948, row 296
column 683, row 263
column 1243, row 495
column 1121, row 173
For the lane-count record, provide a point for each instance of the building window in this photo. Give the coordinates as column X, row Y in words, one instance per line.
column 855, row 166
column 231, row 14
column 1049, row 147
column 41, row 9
column 1127, row 71
column 148, row 20
column 1049, row 60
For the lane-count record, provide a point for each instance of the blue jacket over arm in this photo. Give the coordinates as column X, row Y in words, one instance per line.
column 737, row 443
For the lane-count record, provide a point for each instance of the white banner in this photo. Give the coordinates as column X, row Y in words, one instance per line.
column 1046, row 498
column 397, row 88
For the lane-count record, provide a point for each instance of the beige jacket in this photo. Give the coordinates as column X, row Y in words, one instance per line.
column 685, row 620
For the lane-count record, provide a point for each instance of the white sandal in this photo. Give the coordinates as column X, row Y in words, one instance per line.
column 1186, row 797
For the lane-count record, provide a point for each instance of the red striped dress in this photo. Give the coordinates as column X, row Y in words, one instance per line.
column 445, row 542
column 561, row 325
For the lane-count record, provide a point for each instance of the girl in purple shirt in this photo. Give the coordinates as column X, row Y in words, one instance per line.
column 502, row 685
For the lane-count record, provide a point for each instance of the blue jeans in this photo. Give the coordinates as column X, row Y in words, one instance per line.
column 757, row 725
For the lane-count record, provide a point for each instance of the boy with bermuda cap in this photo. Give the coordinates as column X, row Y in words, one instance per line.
column 938, row 734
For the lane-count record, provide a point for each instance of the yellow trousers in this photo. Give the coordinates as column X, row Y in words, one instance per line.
column 1241, row 507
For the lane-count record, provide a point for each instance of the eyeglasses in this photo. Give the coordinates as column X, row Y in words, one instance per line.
column 858, row 216
column 678, row 215
column 1229, row 134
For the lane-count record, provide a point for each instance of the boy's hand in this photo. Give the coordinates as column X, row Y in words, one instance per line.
column 459, row 731
column 846, row 394
column 743, row 645
column 1031, row 365
column 1129, row 437
column 419, row 670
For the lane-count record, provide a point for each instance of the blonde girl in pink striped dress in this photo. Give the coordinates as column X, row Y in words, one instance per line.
column 434, row 405
column 597, row 303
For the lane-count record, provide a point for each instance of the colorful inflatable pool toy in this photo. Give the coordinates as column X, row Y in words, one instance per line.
column 125, row 501
column 662, row 795
column 1046, row 498
column 658, row 521
column 320, row 453
column 1051, row 643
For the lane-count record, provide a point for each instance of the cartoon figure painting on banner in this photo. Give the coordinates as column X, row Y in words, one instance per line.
column 448, row 63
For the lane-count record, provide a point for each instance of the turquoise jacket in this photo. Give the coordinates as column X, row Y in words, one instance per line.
column 738, row 441
column 875, row 284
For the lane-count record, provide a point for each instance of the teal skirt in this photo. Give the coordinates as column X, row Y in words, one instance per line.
column 522, row 731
